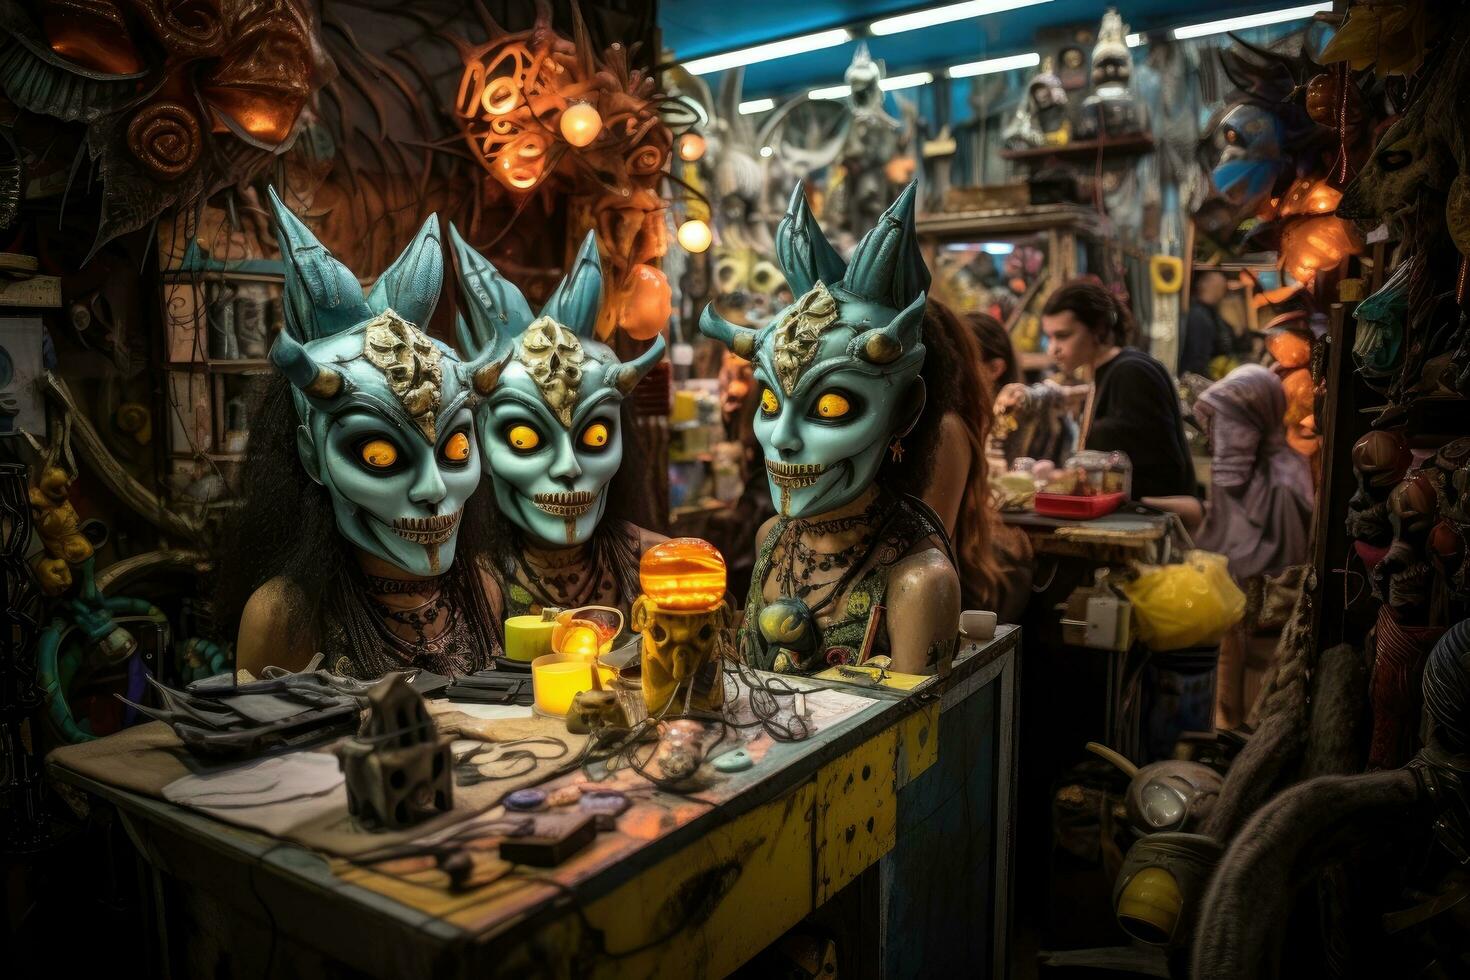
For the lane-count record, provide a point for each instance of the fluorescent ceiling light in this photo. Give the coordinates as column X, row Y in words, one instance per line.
column 946, row 14
column 990, row 67
column 757, row 105
column 998, row 248
column 905, row 81
column 769, row 51
column 1248, row 21
column 830, row 92
column 1134, row 40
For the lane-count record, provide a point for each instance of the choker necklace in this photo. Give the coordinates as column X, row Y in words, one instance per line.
column 802, row 563
column 554, row 585
column 381, row 585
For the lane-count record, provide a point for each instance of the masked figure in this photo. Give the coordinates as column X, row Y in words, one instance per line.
column 1042, row 118
column 551, row 435
column 384, row 425
column 1111, row 111
column 838, row 374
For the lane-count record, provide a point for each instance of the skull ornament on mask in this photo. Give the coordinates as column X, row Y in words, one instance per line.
column 385, row 411
column 838, row 370
column 549, row 426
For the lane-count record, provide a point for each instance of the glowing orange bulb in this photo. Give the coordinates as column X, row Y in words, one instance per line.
column 683, row 574
column 695, row 236
column 580, row 641
column 691, row 147
column 580, row 124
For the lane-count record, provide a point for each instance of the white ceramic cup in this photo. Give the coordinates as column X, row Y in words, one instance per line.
column 977, row 624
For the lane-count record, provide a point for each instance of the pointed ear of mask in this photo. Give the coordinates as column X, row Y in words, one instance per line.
column 322, row 297
column 302, row 370
column 410, row 286
column 740, row 340
column 497, row 310
column 625, row 376
column 886, row 266
column 898, row 336
column 802, row 251
column 575, row 302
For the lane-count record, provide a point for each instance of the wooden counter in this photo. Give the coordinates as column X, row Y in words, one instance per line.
column 890, row 815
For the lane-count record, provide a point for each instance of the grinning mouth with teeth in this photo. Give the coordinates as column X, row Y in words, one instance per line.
column 794, row 476
column 565, row 503
column 434, row 530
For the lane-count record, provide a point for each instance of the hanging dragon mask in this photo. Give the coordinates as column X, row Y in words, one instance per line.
column 838, row 370
column 385, row 411
column 550, row 427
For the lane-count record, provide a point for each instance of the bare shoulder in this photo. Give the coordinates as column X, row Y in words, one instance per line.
column 266, row 637
column 923, row 612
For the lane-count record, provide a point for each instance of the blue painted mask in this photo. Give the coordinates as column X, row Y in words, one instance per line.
column 549, row 429
column 385, row 411
column 838, row 370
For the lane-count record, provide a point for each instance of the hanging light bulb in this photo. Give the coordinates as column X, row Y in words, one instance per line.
column 691, row 147
column 695, row 235
column 580, row 124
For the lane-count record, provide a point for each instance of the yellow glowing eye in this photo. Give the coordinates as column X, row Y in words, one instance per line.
column 523, row 437
column 379, row 453
column 832, row 406
column 457, row 449
column 769, row 405
column 595, row 436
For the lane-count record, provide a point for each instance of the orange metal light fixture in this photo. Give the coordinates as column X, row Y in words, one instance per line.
column 1319, row 242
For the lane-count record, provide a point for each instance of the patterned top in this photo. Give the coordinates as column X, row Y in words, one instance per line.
column 906, row 524
column 358, row 643
column 614, row 551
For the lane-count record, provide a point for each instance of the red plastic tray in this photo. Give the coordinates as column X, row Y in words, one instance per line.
column 1077, row 508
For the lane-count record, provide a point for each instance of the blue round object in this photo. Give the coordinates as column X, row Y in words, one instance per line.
column 525, row 799
column 737, row 761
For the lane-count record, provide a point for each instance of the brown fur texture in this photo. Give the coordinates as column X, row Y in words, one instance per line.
column 1282, row 849
column 1337, row 728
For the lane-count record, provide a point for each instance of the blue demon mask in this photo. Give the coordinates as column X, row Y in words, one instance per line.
column 549, row 428
column 838, row 370
column 385, row 411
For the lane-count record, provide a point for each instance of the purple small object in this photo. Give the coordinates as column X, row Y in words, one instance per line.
column 525, row 799
column 605, row 805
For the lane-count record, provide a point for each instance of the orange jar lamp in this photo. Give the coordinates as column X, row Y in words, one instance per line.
column 681, row 615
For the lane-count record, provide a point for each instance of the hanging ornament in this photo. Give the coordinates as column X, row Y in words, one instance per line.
column 695, row 236
column 649, row 305
column 580, row 124
column 691, row 147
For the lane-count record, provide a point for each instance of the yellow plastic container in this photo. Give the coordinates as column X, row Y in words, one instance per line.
column 527, row 637
column 555, row 680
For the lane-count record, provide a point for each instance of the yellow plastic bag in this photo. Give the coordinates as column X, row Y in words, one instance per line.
column 1191, row 604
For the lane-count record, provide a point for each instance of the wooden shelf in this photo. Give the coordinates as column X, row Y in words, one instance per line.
column 1012, row 221
column 240, row 365
column 1123, row 145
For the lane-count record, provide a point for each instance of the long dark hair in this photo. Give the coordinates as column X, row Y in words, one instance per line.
column 1103, row 314
column 953, row 385
column 994, row 343
column 284, row 527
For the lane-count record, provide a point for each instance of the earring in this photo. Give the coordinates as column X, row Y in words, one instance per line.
column 895, row 449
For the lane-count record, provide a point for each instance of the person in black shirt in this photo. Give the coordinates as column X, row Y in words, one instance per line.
column 1135, row 408
column 1206, row 334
